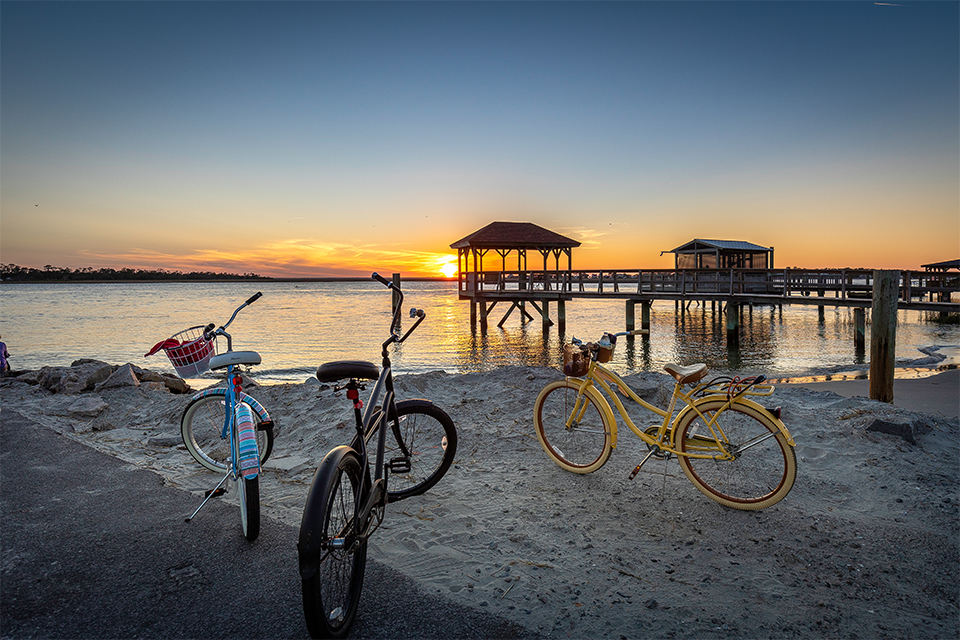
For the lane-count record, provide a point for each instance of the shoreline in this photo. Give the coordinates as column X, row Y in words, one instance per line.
column 508, row 532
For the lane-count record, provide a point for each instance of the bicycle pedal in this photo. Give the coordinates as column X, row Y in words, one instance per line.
column 215, row 493
column 266, row 425
column 399, row 465
column 633, row 474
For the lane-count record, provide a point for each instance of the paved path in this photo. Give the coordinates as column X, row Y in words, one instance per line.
column 94, row 548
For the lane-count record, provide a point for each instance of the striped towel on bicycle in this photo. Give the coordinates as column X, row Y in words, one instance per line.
column 247, row 437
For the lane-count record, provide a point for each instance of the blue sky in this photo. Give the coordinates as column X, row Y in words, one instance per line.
column 316, row 138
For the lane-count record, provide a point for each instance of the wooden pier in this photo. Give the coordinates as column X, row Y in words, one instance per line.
column 923, row 290
column 695, row 279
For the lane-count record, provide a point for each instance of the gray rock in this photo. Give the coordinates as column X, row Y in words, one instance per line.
column 175, row 384
column 162, row 442
column 102, row 423
column 122, row 377
column 88, row 406
column 908, row 429
column 82, row 376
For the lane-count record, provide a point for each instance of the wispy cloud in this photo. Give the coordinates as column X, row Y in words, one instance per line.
column 302, row 257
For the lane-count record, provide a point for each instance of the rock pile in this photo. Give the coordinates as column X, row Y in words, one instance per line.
column 87, row 375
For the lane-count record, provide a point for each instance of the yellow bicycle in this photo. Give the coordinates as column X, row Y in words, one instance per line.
column 734, row 450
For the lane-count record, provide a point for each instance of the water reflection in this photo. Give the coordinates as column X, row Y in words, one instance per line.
column 298, row 326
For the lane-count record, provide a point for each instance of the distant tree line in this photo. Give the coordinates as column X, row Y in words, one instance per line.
column 63, row 274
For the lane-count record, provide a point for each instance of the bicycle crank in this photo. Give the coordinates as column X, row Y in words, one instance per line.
column 655, row 450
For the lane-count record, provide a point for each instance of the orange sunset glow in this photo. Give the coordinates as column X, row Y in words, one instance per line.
column 631, row 128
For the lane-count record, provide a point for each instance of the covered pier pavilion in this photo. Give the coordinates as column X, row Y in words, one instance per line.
column 512, row 241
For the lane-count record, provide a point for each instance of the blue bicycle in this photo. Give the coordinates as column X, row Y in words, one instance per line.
column 227, row 430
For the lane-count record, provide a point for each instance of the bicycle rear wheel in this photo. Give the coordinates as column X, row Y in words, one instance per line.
column 331, row 594
column 429, row 444
column 249, row 491
column 765, row 465
column 201, row 428
column 571, row 427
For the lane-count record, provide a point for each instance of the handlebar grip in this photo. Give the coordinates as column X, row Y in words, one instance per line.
column 381, row 279
column 254, row 297
column 760, row 379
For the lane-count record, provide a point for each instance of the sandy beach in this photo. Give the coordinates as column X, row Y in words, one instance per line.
column 865, row 546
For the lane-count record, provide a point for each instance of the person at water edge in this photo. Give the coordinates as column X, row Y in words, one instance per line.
column 4, row 365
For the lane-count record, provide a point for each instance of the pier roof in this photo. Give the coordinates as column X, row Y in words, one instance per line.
column 514, row 235
column 942, row 266
column 728, row 245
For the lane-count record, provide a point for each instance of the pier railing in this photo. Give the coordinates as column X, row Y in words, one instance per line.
column 849, row 286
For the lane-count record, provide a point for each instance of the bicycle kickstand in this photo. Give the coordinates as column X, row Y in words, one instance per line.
column 634, row 473
column 219, row 490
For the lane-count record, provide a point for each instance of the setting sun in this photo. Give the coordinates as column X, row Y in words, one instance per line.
column 449, row 268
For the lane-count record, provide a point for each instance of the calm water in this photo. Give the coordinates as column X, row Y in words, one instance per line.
column 297, row 326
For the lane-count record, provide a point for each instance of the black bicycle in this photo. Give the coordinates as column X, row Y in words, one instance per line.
column 416, row 442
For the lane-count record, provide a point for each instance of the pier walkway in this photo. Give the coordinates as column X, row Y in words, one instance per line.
column 922, row 290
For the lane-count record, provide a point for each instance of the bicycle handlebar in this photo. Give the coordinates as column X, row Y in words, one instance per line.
column 209, row 329
column 384, row 281
column 419, row 314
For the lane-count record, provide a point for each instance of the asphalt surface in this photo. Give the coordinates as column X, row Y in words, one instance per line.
column 95, row 548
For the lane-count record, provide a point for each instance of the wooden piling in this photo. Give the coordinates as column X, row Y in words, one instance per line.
column 561, row 316
column 483, row 316
column 883, row 334
column 631, row 320
column 645, row 315
column 733, row 324
column 396, row 294
column 859, row 329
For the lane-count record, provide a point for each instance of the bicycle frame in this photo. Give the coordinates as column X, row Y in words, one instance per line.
column 611, row 383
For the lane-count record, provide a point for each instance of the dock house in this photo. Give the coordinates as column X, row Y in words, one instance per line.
column 721, row 254
column 943, row 280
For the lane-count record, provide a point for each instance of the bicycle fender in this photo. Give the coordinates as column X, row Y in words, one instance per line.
column 775, row 419
column 743, row 401
column 248, row 454
column 250, row 400
column 311, row 524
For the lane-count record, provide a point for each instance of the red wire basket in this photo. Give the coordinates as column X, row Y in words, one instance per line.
column 190, row 352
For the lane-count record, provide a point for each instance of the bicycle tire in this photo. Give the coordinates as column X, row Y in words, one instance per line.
column 582, row 446
column 249, row 490
column 430, row 437
column 201, row 426
column 760, row 476
column 332, row 592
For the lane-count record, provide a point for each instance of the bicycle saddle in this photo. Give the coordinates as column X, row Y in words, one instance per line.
column 234, row 357
column 687, row 375
column 359, row 369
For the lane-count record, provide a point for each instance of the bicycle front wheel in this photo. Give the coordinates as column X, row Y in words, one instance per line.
column 424, row 437
column 202, row 430
column 571, row 427
column 331, row 594
column 249, row 491
column 764, row 466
